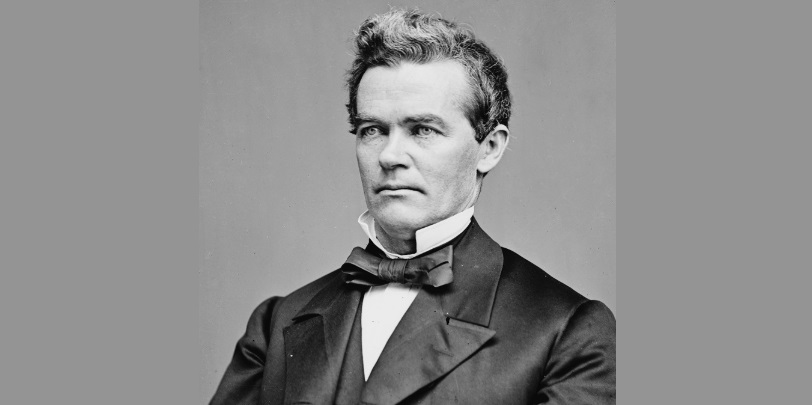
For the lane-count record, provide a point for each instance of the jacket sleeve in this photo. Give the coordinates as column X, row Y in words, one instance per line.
column 243, row 377
column 581, row 369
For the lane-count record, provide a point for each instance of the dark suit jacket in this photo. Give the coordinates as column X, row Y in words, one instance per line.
column 504, row 332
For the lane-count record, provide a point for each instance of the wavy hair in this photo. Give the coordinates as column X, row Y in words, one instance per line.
column 411, row 36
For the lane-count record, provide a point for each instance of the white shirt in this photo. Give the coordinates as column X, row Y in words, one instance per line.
column 385, row 305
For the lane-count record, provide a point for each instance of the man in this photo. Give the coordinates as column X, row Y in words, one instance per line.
column 432, row 310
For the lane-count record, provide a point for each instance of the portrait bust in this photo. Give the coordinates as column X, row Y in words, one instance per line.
column 433, row 309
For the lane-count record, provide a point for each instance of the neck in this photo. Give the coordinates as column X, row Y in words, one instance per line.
column 402, row 246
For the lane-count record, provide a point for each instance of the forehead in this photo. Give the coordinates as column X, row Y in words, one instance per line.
column 407, row 88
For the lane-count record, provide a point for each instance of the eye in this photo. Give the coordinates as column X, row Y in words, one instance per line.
column 424, row 131
column 370, row 131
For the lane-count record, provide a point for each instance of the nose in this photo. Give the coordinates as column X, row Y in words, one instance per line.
column 394, row 152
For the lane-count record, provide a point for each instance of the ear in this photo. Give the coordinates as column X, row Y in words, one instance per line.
column 492, row 148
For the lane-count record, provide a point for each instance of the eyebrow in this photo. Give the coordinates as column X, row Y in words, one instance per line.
column 425, row 119
column 361, row 118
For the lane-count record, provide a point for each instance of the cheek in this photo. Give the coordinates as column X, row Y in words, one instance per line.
column 457, row 174
column 366, row 163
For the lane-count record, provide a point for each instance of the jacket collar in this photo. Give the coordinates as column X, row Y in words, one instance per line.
column 316, row 341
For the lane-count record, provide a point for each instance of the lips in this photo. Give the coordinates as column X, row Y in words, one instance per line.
column 395, row 187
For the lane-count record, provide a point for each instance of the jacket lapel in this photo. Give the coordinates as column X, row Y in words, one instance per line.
column 444, row 326
column 316, row 341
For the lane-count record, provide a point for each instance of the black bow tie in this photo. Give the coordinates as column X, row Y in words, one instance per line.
column 432, row 269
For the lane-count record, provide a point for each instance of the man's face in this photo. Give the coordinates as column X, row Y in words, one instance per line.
column 416, row 150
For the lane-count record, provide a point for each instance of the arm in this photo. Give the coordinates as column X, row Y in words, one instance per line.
column 243, row 377
column 581, row 369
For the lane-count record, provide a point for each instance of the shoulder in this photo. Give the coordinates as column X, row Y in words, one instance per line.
column 528, row 283
column 528, row 292
column 284, row 308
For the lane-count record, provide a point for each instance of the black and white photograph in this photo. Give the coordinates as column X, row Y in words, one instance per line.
column 404, row 202
column 407, row 203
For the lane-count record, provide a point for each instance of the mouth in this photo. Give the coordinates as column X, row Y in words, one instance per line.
column 393, row 188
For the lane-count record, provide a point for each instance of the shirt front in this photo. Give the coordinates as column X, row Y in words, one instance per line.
column 384, row 305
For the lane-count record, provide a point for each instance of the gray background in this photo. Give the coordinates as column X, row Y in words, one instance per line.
column 279, row 185
column 100, row 119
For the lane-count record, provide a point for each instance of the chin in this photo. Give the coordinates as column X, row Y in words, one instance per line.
column 403, row 221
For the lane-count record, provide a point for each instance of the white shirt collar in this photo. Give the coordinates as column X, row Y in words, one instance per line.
column 427, row 238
